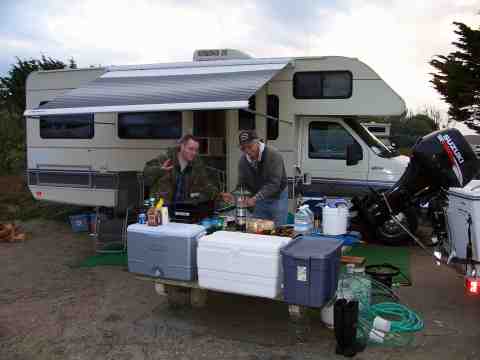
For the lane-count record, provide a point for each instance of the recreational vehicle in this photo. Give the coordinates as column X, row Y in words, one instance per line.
column 91, row 131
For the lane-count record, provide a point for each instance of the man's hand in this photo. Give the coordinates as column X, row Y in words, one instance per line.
column 167, row 165
column 227, row 197
column 251, row 201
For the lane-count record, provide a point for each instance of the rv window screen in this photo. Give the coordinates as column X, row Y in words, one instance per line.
column 273, row 109
column 322, row 85
column 150, row 125
column 328, row 140
column 79, row 126
column 246, row 120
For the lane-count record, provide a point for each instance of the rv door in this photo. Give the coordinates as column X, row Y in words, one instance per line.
column 324, row 143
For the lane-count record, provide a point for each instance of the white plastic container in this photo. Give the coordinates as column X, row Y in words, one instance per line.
column 462, row 203
column 334, row 220
column 241, row 263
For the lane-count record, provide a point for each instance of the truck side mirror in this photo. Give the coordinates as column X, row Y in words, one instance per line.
column 354, row 154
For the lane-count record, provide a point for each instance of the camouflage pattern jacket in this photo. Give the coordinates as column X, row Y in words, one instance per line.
column 163, row 182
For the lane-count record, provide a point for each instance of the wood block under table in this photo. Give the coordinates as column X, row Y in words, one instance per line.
column 187, row 284
column 357, row 260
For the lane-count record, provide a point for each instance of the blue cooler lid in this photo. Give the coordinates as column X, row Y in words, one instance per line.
column 348, row 239
column 308, row 249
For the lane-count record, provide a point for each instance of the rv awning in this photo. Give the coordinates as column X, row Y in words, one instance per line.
column 179, row 86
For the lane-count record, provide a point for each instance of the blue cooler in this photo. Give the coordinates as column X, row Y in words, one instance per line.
column 310, row 271
column 166, row 251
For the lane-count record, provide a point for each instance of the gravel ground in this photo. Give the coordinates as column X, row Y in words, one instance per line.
column 50, row 309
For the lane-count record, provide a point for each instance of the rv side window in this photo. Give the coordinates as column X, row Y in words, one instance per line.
column 246, row 120
column 328, row 140
column 150, row 125
column 273, row 110
column 78, row 126
column 322, row 85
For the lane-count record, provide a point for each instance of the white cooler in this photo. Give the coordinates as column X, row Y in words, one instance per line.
column 241, row 263
column 463, row 202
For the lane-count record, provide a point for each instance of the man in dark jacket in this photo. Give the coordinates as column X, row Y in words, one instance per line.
column 261, row 170
column 179, row 175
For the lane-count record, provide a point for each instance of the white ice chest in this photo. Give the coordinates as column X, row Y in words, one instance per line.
column 241, row 263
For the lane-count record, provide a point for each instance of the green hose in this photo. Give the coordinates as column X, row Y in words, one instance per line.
column 406, row 319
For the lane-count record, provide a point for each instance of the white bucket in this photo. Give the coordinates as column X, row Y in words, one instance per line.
column 334, row 220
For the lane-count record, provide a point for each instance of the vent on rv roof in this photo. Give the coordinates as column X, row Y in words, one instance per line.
column 219, row 54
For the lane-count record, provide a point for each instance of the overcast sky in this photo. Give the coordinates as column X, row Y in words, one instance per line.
column 397, row 38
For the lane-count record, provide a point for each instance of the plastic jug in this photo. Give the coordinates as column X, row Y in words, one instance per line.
column 303, row 221
column 354, row 284
column 311, row 214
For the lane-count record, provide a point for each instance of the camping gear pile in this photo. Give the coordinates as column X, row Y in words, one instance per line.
column 309, row 266
column 11, row 233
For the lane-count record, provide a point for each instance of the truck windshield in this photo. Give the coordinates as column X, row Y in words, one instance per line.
column 374, row 143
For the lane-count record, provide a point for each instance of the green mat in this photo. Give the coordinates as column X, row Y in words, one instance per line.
column 377, row 254
column 119, row 259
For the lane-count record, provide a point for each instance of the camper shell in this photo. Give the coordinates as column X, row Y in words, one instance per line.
column 91, row 131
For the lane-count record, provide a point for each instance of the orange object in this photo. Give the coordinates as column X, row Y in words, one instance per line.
column 357, row 260
column 11, row 233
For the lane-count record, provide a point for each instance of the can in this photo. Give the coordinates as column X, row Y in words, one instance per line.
column 142, row 218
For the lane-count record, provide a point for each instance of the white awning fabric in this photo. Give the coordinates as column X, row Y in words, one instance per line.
column 201, row 85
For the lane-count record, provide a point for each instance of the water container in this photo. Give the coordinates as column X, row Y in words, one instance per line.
column 311, row 214
column 354, row 284
column 303, row 221
column 335, row 219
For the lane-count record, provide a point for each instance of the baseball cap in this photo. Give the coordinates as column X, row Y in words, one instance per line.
column 246, row 137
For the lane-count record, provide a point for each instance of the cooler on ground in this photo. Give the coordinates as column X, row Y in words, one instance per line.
column 310, row 271
column 241, row 263
column 462, row 203
column 166, row 251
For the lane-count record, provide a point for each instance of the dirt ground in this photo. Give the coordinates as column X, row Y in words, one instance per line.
column 50, row 309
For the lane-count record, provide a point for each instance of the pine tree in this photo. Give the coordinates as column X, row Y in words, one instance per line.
column 12, row 96
column 458, row 73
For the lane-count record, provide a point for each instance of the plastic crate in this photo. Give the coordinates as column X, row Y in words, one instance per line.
column 310, row 271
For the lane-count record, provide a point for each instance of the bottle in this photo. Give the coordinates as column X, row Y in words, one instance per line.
column 164, row 213
column 361, row 287
column 152, row 214
column 158, row 211
column 152, row 219
column 312, row 218
column 344, row 289
column 303, row 221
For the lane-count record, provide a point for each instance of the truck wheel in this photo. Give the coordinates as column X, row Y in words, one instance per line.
column 390, row 233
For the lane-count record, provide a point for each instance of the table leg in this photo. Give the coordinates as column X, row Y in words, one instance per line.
column 198, row 297
column 177, row 296
column 299, row 322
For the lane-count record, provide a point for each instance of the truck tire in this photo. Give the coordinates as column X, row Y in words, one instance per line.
column 390, row 233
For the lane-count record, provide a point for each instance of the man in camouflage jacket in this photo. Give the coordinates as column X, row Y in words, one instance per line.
column 179, row 175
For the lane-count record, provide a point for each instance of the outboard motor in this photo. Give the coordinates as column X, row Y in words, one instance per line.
column 439, row 160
